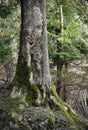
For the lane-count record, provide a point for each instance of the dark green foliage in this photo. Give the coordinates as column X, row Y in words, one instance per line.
column 5, row 49
column 4, row 10
column 6, row 7
column 69, row 46
column 83, row 48
column 9, row 34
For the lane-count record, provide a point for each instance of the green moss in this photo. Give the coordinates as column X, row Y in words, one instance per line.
column 21, row 80
column 14, row 104
column 13, row 117
column 67, row 110
column 32, row 94
column 77, row 121
column 54, row 93
column 22, row 77
column 51, row 120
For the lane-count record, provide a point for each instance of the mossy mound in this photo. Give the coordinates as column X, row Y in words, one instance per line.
column 52, row 114
column 43, row 118
column 60, row 117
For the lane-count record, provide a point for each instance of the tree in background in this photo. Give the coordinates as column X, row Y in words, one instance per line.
column 65, row 36
column 9, row 38
column 9, row 17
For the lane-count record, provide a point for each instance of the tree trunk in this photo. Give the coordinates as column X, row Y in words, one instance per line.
column 59, row 44
column 61, row 20
column 33, row 64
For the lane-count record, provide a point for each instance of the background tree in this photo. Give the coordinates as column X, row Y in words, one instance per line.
column 64, row 47
column 9, row 38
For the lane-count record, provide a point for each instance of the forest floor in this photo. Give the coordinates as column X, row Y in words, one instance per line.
column 33, row 118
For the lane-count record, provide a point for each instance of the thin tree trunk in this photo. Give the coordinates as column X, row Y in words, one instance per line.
column 60, row 65
column 61, row 20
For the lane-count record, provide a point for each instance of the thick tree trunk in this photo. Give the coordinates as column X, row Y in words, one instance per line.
column 33, row 41
column 33, row 64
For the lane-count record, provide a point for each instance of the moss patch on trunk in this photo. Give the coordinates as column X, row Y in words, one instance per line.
column 23, row 84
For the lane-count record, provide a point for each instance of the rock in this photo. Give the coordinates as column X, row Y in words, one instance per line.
column 38, row 118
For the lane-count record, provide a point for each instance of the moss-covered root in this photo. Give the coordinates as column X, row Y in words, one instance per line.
column 27, row 93
column 66, row 110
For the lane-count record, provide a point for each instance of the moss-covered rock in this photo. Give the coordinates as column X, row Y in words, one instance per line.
column 38, row 118
column 18, row 112
column 43, row 118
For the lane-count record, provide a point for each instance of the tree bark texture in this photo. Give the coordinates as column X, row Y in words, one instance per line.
column 33, row 50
